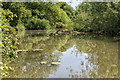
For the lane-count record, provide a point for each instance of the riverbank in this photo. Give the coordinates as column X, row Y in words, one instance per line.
column 66, row 31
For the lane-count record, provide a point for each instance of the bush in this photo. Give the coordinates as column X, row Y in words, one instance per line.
column 36, row 23
column 9, row 42
column 60, row 25
column 20, row 26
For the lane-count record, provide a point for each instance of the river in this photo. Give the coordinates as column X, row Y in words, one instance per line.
column 65, row 56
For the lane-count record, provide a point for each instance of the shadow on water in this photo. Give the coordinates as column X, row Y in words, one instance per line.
column 80, row 56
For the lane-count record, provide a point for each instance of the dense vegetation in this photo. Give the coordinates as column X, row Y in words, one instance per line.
column 9, row 41
column 100, row 17
column 39, row 15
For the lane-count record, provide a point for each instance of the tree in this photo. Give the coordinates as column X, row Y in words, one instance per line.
column 98, row 16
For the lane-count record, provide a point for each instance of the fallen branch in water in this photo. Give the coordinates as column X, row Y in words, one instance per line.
column 54, row 63
column 29, row 50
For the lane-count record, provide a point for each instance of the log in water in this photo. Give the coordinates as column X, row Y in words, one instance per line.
column 29, row 50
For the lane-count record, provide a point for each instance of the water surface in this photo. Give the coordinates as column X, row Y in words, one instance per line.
column 80, row 56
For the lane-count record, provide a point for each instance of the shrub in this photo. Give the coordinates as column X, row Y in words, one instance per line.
column 36, row 23
column 9, row 42
column 20, row 26
column 60, row 25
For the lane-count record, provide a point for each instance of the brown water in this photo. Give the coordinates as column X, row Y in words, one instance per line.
column 80, row 56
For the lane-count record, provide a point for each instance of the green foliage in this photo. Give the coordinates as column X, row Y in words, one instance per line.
column 18, row 9
column 36, row 15
column 95, row 16
column 36, row 23
column 102, row 16
column 60, row 25
column 9, row 40
column 67, row 8
column 20, row 26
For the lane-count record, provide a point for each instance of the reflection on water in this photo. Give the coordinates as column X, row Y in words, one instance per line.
column 75, row 64
column 80, row 56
